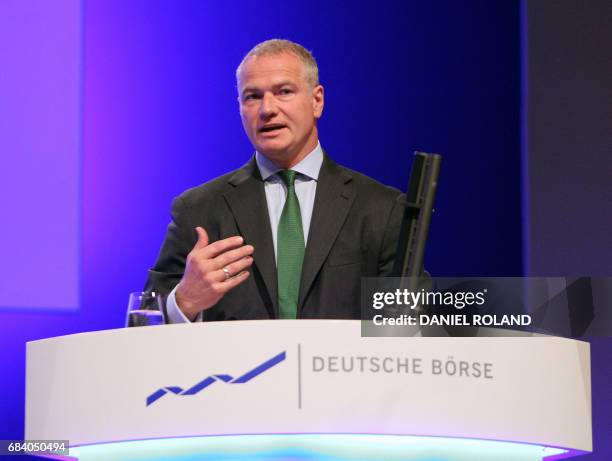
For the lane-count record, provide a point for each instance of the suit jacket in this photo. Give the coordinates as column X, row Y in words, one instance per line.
column 353, row 234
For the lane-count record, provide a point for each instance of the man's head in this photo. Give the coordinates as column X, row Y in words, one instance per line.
column 280, row 100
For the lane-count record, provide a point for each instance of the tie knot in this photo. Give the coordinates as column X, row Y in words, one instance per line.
column 288, row 177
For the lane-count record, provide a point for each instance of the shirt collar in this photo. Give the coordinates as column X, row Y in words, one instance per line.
column 309, row 166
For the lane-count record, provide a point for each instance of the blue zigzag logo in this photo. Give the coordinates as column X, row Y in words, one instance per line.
column 249, row 375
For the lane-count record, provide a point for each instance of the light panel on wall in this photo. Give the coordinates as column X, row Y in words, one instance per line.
column 40, row 135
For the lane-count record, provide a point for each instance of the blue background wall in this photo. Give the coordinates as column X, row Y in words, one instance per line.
column 160, row 115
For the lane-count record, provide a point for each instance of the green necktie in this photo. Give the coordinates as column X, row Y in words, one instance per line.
column 290, row 250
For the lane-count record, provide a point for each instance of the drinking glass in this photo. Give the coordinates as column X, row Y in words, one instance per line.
column 145, row 308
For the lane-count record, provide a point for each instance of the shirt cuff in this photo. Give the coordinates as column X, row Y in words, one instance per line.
column 175, row 314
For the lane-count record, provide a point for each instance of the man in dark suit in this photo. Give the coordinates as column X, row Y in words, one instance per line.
column 290, row 234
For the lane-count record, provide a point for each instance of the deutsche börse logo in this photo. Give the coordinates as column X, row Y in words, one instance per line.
column 246, row 377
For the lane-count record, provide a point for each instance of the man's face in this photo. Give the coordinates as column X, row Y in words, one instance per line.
column 278, row 108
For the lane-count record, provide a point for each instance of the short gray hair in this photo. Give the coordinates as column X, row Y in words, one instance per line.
column 277, row 46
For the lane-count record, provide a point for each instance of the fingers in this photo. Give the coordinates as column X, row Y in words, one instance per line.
column 209, row 251
column 204, row 281
column 229, row 253
column 233, row 269
column 239, row 266
column 202, row 238
column 232, row 282
column 231, row 256
column 211, row 258
column 220, row 246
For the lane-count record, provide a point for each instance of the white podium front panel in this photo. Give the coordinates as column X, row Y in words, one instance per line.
column 305, row 377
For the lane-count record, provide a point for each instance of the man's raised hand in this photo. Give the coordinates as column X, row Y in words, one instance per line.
column 211, row 271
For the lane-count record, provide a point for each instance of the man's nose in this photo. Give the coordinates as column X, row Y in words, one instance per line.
column 268, row 106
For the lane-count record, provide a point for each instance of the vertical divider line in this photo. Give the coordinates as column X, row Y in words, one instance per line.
column 299, row 361
column 526, row 230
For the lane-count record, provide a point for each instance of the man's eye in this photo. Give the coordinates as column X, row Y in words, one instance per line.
column 250, row 97
column 286, row 91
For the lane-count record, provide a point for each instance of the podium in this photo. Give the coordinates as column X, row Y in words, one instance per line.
column 307, row 389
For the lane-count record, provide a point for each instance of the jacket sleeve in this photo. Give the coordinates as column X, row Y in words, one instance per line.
column 178, row 242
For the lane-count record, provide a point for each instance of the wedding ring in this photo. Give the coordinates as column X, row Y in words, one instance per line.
column 227, row 273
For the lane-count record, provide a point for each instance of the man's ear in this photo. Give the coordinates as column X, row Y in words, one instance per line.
column 318, row 99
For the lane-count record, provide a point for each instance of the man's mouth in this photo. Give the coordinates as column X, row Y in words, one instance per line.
column 271, row 128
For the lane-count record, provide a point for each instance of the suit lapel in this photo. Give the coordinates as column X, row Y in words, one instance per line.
column 333, row 201
column 247, row 201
